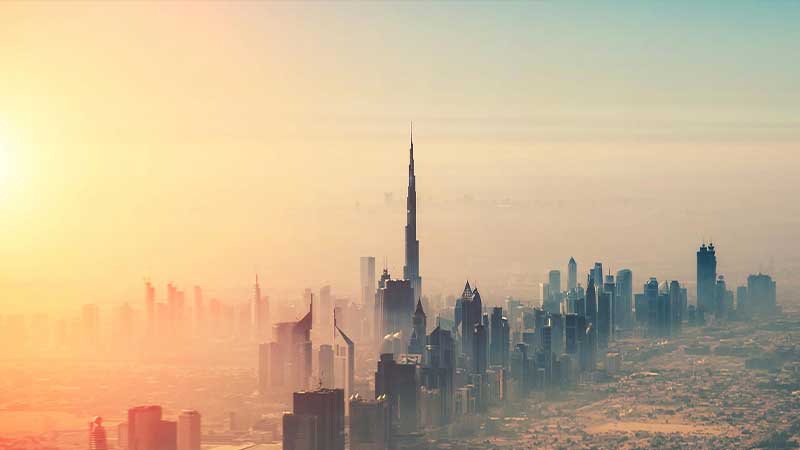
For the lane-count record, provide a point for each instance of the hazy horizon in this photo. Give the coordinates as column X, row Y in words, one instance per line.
column 204, row 146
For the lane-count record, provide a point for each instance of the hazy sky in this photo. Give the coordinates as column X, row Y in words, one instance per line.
column 202, row 142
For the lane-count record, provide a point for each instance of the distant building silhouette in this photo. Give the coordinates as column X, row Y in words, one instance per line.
column 189, row 432
column 623, row 299
column 706, row 277
column 761, row 294
column 97, row 435
column 367, row 266
column 147, row 430
column 260, row 315
column 572, row 274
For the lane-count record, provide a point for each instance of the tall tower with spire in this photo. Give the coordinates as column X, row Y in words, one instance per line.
column 411, row 268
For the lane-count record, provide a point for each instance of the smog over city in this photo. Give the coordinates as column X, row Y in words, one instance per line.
column 399, row 225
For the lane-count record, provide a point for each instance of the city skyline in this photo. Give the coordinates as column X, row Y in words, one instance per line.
column 96, row 201
column 399, row 225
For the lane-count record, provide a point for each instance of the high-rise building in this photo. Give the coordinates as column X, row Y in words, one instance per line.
column 499, row 339
column 399, row 382
column 676, row 307
column 547, row 349
column 325, row 307
column 650, row 306
column 328, row 406
column 572, row 274
column 571, row 334
column 623, row 299
column 147, row 431
column 554, row 280
column 199, row 311
column 663, row 323
column 419, row 333
column 300, row 432
column 326, row 377
column 189, row 433
column 591, row 303
column 761, row 294
column 290, row 353
column 603, row 319
column 398, row 309
column 377, row 317
column 367, row 266
column 97, row 435
column 479, row 351
column 411, row 268
column 723, row 299
column 596, row 273
column 610, row 288
column 706, row 277
column 260, row 315
column 441, row 368
column 471, row 313
column 370, row 423
column 742, row 309
column 351, row 361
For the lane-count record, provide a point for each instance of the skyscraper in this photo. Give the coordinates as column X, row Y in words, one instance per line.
column 597, row 274
column 419, row 332
column 603, row 319
column 97, row 435
column 623, row 299
column 479, row 350
column 572, row 274
column 300, row 432
column 326, row 377
column 650, row 303
column 351, row 360
column 610, row 288
column 260, row 314
column 411, row 268
column 571, row 334
column 761, row 293
column 189, row 430
column 146, row 430
column 367, row 265
column 398, row 309
column 676, row 307
column 370, row 423
column 400, row 383
column 328, row 406
column 471, row 312
column 441, row 367
column 377, row 317
column 497, row 338
column 706, row 277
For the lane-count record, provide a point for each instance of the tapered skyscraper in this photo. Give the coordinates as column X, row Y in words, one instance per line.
column 572, row 274
column 411, row 268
